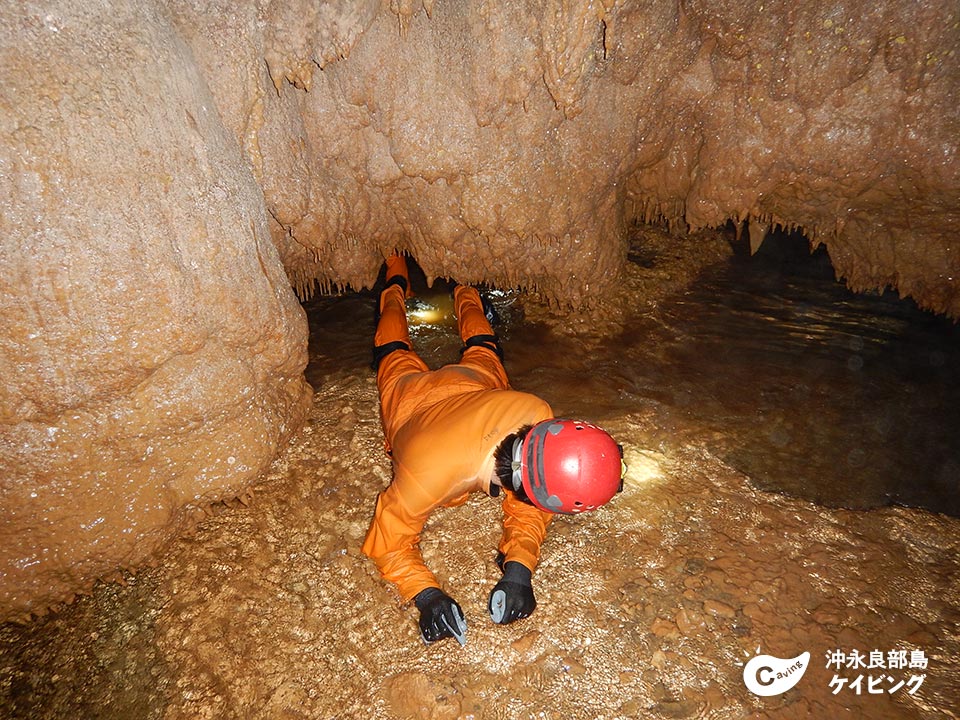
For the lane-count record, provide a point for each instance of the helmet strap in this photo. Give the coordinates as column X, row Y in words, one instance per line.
column 517, row 464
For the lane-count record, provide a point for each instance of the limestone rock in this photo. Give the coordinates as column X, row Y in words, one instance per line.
column 514, row 142
column 150, row 347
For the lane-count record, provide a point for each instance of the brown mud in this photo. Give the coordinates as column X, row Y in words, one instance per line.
column 647, row 608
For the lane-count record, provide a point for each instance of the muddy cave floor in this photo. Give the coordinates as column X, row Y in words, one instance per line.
column 648, row 608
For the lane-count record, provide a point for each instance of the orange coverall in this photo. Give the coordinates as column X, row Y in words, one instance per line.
column 442, row 428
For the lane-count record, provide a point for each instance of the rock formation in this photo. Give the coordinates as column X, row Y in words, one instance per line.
column 151, row 347
column 514, row 141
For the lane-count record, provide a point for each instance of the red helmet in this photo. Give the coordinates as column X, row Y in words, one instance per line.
column 567, row 466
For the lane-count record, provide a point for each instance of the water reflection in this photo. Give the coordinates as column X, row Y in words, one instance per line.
column 811, row 390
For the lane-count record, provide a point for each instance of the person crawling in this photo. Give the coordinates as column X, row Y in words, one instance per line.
column 461, row 429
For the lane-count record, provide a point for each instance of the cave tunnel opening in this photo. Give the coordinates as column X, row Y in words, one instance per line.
column 845, row 399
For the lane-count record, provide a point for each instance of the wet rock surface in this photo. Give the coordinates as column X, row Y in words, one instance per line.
column 647, row 608
column 150, row 150
column 150, row 347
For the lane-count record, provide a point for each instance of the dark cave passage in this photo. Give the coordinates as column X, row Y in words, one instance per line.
column 845, row 399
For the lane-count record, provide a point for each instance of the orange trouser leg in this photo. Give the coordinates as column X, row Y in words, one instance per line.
column 399, row 363
column 472, row 321
column 397, row 265
column 392, row 326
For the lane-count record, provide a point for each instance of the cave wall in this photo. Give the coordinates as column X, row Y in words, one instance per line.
column 515, row 141
column 151, row 348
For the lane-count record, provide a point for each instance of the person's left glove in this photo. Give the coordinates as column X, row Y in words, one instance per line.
column 512, row 598
column 440, row 616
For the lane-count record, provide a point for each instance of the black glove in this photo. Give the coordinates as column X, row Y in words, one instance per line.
column 440, row 616
column 512, row 598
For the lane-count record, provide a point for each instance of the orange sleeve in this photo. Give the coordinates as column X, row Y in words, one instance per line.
column 394, row 536
column 524, row 528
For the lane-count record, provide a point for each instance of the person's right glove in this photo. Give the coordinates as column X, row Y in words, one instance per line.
column 512, row 598
column 440, row 616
